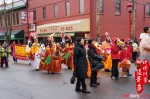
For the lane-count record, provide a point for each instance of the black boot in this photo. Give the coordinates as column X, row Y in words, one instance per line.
column 78, row 88
column 84, row 90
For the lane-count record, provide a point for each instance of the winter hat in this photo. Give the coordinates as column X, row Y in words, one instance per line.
column 90, row 41
column 127, row 39
column 114, row 39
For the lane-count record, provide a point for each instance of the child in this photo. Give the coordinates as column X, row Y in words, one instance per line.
column 125, row 63
column 129, row 46
column 115, row 58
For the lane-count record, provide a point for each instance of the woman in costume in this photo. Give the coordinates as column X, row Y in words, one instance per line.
column 50, row 49
column 69, row 52
column 106, row 47
column 56, row 59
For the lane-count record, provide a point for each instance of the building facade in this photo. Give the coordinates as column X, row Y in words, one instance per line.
column 77, row 17
column 11, row 12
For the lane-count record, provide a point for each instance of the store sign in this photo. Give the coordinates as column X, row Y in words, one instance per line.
column 68, row 26
column 32, row 27
column 24, row 17
column 57, row 29
column 62, row 34
column 33, row 34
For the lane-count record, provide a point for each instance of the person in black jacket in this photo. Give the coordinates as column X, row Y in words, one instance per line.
column 95, row 62
column 80, row 64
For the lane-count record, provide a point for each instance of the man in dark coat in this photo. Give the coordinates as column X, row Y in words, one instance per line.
column 95, row 62
column 80, row 64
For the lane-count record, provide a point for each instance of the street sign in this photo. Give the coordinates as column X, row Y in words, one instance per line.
column 62, row 34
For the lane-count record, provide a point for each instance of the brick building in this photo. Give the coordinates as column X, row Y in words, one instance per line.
column 77, row 17
column 13, row 19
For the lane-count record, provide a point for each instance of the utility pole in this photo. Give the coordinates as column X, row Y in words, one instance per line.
column 98, row 21
column 134, row 19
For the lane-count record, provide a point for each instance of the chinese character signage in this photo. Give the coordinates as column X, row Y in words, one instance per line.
column 20, row 52
column 141, row 76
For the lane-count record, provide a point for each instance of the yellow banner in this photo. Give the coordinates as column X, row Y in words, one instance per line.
column 20, row 52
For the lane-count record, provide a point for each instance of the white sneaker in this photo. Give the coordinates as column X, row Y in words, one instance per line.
column 124, row 76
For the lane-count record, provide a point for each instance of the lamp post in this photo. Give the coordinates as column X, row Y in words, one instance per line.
column 130, row 10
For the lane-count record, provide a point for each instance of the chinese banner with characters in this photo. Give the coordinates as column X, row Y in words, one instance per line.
column 20, row 52
column 141, row 76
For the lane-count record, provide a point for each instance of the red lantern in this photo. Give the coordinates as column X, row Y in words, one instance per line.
column 130, row 7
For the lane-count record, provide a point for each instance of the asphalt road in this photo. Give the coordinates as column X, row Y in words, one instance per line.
column 21, row 81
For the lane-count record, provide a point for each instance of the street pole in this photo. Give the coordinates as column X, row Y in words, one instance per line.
column 27, row 5
column 134, row 19
column 130, row 25
column 97, row 21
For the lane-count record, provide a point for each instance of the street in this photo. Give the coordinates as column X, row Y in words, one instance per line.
column 21, row 81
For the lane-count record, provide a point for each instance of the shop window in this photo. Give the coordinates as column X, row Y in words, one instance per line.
column 14, row 19
column 34, row 15
column 118, row 7
column 1, row 22
column 101, row 6
column 17, row 18
column 68, row 8
column 81, row 6
column 9, row 19
column 55, row 11
column 148, row 9
column 44, row 12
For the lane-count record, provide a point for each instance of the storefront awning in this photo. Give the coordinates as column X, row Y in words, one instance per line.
column 58, row 34
column 67, row 26
column 15, row 35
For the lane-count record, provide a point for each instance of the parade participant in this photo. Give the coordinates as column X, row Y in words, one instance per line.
column 34, row 54
column 95, row 62
column 56, row 59
column 125, row 62
column 4, row 53
column 69, row 52
column 13, row 50
column 106, row 47
column 80, row 64
column 115, row 58
column 50, row 49
column 129, row 46
column 42, row 57
column 28, row 47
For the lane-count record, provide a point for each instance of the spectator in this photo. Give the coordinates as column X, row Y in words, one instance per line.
column 80, row 64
